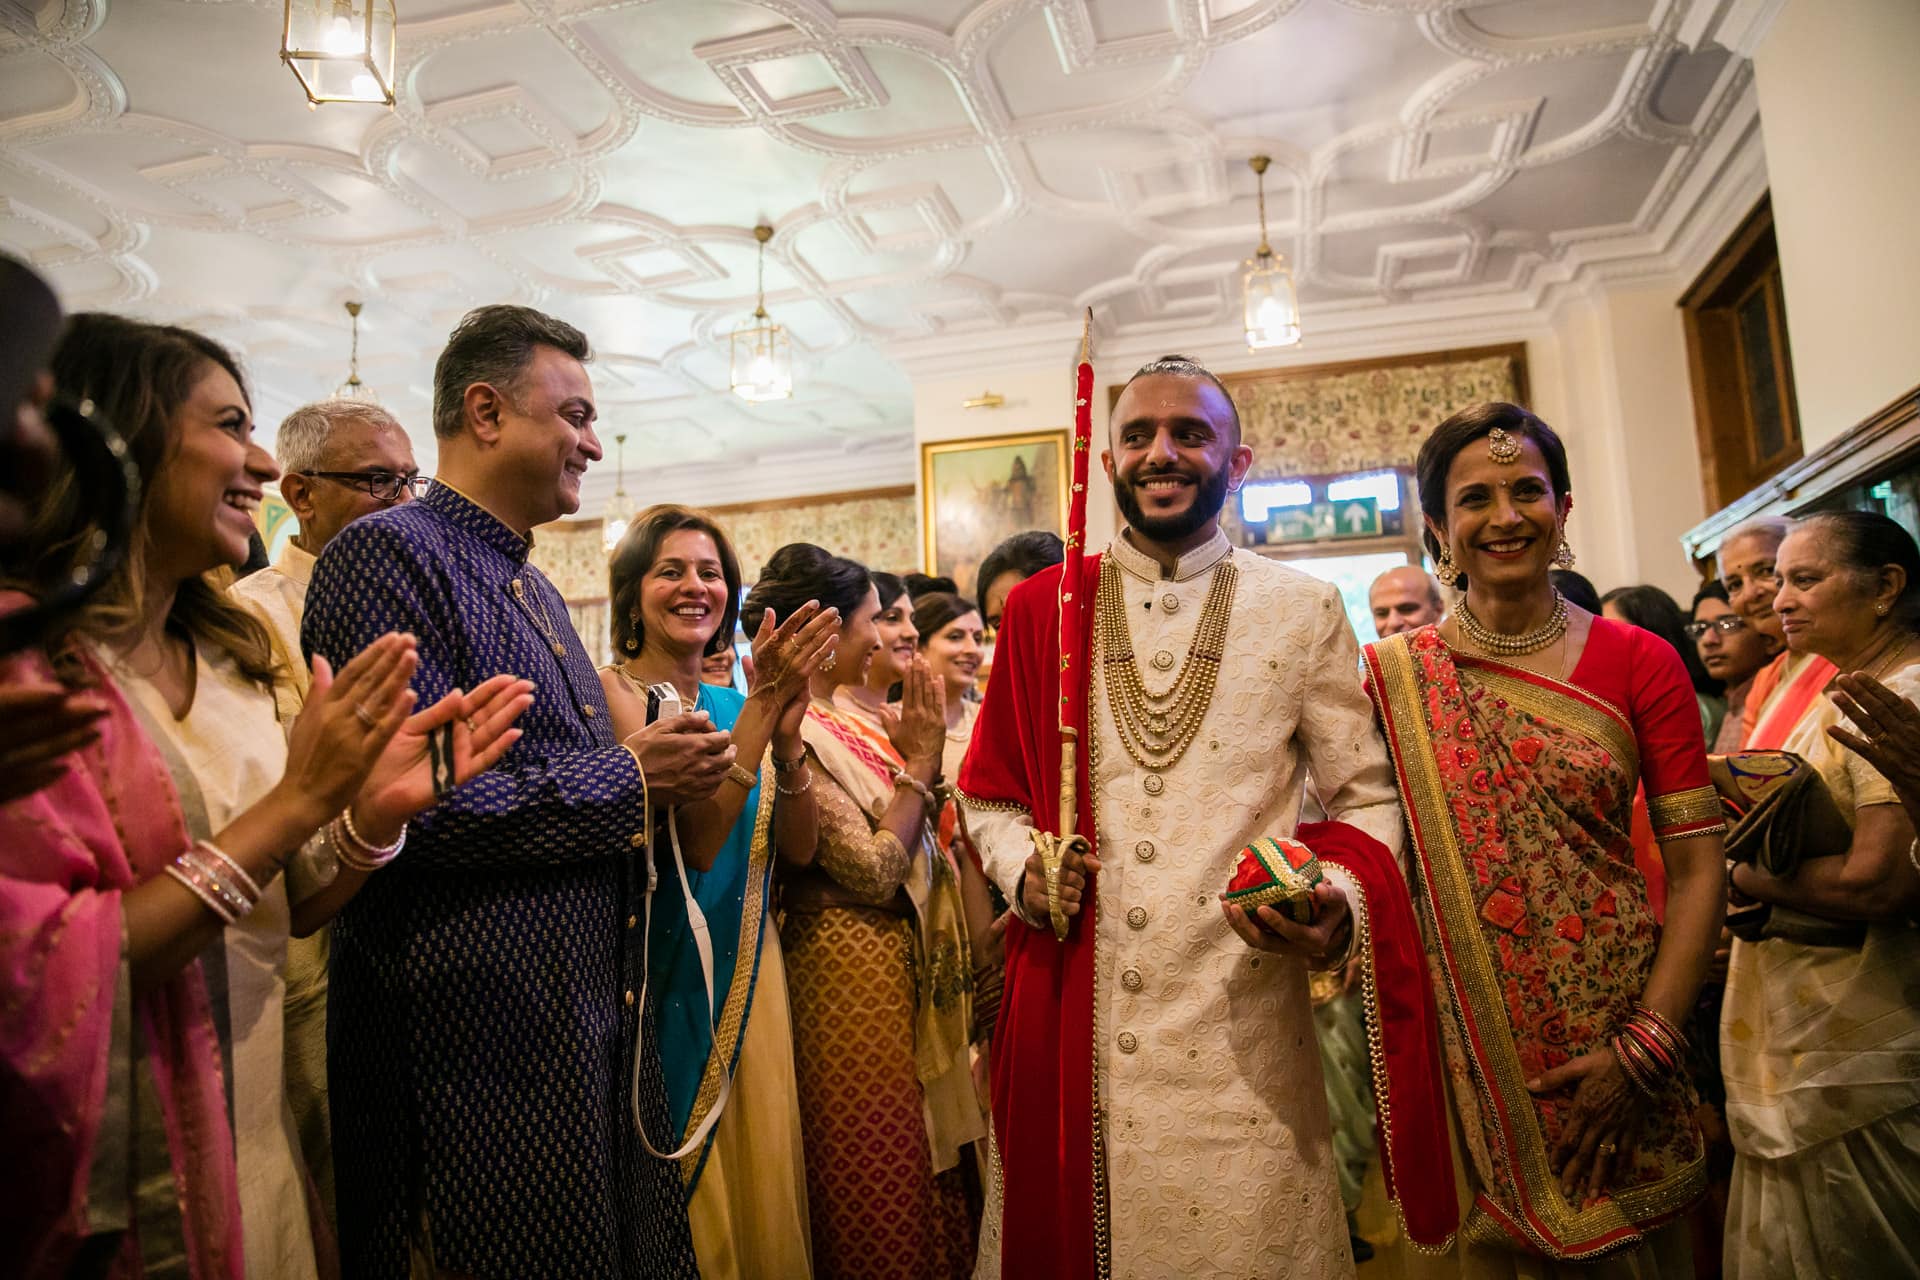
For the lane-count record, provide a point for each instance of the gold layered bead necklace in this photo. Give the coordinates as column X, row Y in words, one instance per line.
column 1488, row 640
column 1156, row 729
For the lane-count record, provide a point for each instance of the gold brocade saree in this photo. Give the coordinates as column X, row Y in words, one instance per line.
column 1519, row 792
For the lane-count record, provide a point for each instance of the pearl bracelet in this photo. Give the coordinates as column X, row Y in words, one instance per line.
column 902, row 778
column 354, row 852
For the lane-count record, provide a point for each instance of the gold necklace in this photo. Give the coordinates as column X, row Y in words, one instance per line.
column 1499, row 642
column 531, row 599
column 1157, row 729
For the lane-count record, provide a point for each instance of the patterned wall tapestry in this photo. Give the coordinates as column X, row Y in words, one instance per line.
column 878, row 528
column 1342, row 418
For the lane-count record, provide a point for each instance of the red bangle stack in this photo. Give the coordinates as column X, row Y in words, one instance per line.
column 1650, row 1050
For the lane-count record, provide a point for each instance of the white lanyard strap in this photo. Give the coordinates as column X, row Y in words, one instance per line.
column 703, row 942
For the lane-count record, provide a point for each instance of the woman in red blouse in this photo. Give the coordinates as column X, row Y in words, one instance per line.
column 1520, row 728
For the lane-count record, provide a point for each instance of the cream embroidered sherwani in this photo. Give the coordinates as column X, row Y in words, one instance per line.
column 278, row 595
column 1219, row 1151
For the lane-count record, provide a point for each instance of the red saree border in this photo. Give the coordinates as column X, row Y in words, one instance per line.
column 1046, row 1076
column 1537, row 1217
column 1403, row 1035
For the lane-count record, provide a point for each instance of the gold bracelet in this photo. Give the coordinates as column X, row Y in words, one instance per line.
column 746, row 781
column 806, row 785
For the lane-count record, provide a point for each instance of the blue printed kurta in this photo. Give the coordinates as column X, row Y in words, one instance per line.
column 481, row 1029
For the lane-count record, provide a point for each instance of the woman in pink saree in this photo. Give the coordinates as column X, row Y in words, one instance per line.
column 1520, row 728
column 116, row 1086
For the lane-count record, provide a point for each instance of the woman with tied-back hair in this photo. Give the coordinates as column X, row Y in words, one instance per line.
column 1786, row 688
column 870, row 700
column 675, row 599
column 1819, row 1042
column 143, row 914
column 1519, row 729
column 879, row 965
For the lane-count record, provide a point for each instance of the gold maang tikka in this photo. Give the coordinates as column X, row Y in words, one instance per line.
column 1501, row 447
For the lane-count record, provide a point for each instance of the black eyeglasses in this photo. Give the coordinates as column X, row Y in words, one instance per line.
column 384, row 486
column 1725, row 625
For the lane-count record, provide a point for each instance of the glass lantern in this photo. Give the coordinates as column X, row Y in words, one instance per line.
column 1272, row 312
column 762, row 360
column 341, row 50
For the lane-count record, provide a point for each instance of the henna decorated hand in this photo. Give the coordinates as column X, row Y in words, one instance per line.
column 1603, row 1108
column 785, row 657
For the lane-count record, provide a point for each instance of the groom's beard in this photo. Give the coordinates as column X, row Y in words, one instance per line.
column 1209, row 495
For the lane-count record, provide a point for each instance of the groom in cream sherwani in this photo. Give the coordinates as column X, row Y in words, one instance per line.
column 1205, row 1073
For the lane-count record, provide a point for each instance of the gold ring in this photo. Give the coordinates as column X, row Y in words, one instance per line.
column 366, row 716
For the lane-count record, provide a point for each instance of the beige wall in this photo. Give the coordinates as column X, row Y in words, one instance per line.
column 1612, row 379
column 1840, row 113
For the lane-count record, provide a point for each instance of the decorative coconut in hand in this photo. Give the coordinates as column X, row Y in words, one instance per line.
column 1275, row 873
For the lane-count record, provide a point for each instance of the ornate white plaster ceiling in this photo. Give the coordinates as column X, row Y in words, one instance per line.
column 939, row 170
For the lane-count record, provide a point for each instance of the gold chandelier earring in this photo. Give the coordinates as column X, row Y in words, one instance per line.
column 1563, row 557
column 633, row 633
column 1445, row 569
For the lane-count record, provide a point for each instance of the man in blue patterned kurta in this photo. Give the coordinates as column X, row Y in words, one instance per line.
column 484, row 987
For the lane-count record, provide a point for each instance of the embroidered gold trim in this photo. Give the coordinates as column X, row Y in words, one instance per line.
column 1696, row 807
column 733, row 1016
column 989, row 806
column 1474, row 983
column 1377, row 1053
column 1604, row 724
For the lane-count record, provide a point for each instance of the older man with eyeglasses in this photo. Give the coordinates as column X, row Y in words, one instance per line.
column 340, row 460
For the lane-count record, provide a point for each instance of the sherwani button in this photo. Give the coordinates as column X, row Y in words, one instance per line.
column 1130, row 979
column 1144, row 851
column 632, row 921
column 1162, row 660
column 1137, row 917
column 587, row 711
column 1127, row 1042
column 629, row 999
column 1153, row 784
column 638, row 840
column 1170, row 602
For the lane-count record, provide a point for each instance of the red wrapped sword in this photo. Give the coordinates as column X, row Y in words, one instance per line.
column 1073, row 675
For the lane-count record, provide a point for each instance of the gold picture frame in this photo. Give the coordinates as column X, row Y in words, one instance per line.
column 975, row 493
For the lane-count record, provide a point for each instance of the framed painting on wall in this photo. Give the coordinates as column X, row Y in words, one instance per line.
column 974, row 493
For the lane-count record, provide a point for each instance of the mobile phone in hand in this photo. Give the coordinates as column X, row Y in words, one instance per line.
column 663, row 701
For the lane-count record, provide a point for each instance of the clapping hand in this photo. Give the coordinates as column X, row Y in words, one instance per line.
column 44, row 724
column 786, row 657
column 922, row 727
column 1889, row 729
column 346, row 724
column 477, row 726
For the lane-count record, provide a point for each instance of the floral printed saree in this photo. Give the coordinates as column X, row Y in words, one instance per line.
column 1519, row 790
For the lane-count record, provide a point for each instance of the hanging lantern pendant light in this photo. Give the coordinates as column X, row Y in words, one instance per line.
column 340, row 50
column 1272, row 312
column 353, row 388
column 613, row 522
column 762, row 354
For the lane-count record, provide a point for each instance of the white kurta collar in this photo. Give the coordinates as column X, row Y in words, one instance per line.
column 1190, row 565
